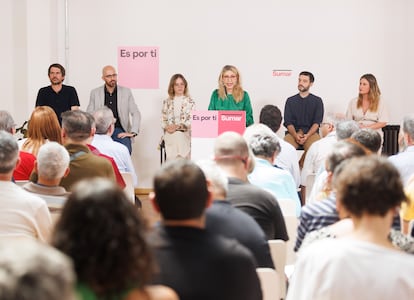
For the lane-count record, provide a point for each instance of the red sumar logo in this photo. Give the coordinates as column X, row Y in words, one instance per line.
column 280, row 73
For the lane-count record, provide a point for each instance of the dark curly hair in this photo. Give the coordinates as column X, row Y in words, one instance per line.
column 105, row 236
column 368, row 185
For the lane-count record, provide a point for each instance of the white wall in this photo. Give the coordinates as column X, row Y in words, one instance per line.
column 337, row 40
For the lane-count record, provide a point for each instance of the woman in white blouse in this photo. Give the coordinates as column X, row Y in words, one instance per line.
column 368, row 109
column 176, row 119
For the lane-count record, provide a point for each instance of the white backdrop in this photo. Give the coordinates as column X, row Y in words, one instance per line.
column 336, row 40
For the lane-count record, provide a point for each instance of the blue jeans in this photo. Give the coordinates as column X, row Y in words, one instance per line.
column 124, row 141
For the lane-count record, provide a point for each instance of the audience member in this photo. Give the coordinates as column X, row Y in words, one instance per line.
column 230, row 94
column 271, row 116
column 232, row 156
column 369, row 138
column 26, row 160
column 323, row 212
column 103, row 233
column 303, row 114
column 22, row 214
column 368, row 189
column 120, row 100
column 58, row 96
column 224, row 219
column 404, row 161
column 193, row 261
column 265, row 146
column 31, row 270
column 105, row 126
column 407, row 209
column 77, row 129
column 51, row 166
column 43, row 127
column 176, row 119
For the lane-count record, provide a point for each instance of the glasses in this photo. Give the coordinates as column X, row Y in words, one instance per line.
column 232, row 77
column 111, row 75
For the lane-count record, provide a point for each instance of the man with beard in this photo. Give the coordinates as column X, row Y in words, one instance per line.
column 303, row 115
column 120, row 100
column 58, row 96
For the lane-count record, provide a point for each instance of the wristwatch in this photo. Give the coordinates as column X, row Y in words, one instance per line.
column 134, row 134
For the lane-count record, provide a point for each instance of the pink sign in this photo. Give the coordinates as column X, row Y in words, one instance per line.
column 138, row 67
column 212, row 123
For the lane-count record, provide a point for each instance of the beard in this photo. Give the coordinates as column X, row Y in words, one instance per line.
column 302, row 89
column 55, row 81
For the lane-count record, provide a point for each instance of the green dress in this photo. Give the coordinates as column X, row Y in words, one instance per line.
column 217, row 103
column 86, row 293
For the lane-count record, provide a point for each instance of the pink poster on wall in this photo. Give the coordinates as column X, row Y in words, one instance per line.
column 138, row 67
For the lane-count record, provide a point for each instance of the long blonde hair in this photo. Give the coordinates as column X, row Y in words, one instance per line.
column 43, row 125
column 237, row 92
column 373, row 94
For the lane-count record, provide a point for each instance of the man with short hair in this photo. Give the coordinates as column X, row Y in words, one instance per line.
column 120, row 100
column 404, row 161
column 105, row 126
column 369, row 138
column 58, row 96
column 303, row 114
column 195, row 263
column 26, row 159
column 222, row 218
column 287, row 159
column 52, row 164
column 232, row 155
column 77, row 129
column 22, row 214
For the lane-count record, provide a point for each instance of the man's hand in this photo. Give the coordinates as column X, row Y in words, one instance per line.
column 125, row 134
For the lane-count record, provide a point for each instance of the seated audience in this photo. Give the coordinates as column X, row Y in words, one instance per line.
column 364, row 264
column 26, row 159
column 103, row 233
column 369, row 138
column 43, row 127
column 407, row 211
column 194, row 262
column 265, row 146
column 271, row 116
column 233, row 157
column 31, row 270
column 224, row 219
column 105, row 126
column 51, row 166
column 22, row 214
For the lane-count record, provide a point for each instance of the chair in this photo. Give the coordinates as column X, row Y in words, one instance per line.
column 129, row 188
column 310, row 180
column 269, row 281
column 291, row 226
column 21, row 182
column 287, row 206
column 278, row 253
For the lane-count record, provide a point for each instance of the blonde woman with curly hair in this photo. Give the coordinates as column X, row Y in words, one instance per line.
column 230, row 94
column 368, row 109
column 43, row 127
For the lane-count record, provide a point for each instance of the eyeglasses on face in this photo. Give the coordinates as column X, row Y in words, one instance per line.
column 227, row 77
column 111, row 76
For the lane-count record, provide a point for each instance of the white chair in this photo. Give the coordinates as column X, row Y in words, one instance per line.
column 278, row 253
column 291, row 226
column 310, row 180
column 269, row 281
column 129, row 188
column 287, row 206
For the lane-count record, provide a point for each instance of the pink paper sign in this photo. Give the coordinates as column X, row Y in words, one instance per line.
column 204, row 123
column 231, row 121
column 138, row 67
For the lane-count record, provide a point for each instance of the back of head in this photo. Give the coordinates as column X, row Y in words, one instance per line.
column 262, row 140
column 52, row 161
column 345, row 129
column 368, row 185
column 271, row 116
column 216, row 176
column 342, row 151
column 408, row 126
column 44, row 124
column 104, row 118
column 77, row 124
column 101, row 230
column 9, row 152
column 6, row 121
column 230, row 147
column 31, row 270
column 369, row 138
column 180, row 190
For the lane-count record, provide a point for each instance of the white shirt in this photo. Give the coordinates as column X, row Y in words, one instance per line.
column 404, row 162
column 287, row 159
column 23, row 214
column 117, row 151
column 346, row 268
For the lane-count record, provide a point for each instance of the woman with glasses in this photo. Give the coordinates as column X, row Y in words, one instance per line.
column 230, row 94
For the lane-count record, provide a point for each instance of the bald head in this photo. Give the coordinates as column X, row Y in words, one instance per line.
column 109, row 76
column 230, row 146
